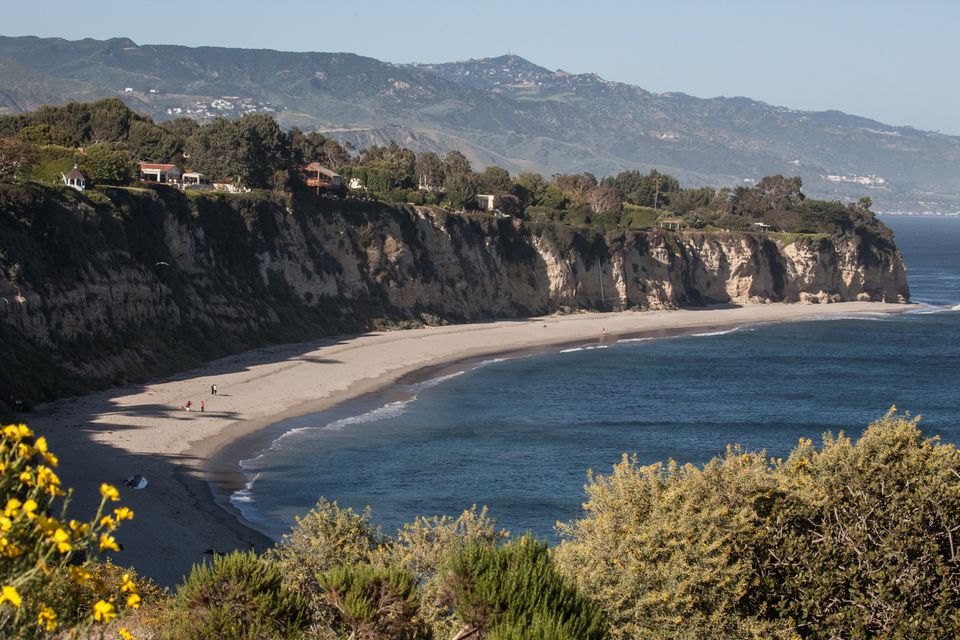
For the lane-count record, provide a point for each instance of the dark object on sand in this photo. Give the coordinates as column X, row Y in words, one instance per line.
column 136, row 482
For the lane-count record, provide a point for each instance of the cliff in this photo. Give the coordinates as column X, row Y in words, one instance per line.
column 123, row 284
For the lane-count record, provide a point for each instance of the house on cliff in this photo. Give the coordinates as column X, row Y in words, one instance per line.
column 322, row 178
column 160, row 173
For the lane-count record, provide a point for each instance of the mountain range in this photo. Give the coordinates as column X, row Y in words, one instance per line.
column 505, row 110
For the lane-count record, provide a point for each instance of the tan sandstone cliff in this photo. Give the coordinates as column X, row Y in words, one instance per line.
column 107, row 288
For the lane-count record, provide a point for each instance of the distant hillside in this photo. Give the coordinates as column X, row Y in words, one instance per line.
column 502, row 110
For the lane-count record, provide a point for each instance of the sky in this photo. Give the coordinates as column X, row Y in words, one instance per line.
column 896, row 62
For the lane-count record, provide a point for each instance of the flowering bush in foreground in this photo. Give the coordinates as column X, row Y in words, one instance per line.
column 41, row 549
column 856, row 539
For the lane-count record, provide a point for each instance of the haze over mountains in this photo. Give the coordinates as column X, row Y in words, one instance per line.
column 504, row 110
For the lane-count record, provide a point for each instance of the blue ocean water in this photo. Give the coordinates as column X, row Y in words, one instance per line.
column 519, row 435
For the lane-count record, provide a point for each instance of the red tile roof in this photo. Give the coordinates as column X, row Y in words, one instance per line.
column 157, row 167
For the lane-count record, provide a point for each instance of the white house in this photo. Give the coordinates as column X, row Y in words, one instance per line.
column 486, row 202
column 162, row 173
column 75, row 178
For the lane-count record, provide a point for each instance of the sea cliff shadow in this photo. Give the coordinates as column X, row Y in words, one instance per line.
column 176, row 519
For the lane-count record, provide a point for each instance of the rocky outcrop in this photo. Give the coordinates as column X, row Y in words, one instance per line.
column 128, row 284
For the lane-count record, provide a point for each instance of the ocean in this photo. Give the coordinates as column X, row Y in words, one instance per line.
column 519, row 434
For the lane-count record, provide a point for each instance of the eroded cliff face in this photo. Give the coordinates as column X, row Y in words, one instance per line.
column 119, row 286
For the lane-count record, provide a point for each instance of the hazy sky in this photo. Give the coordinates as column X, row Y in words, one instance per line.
column 892, row 61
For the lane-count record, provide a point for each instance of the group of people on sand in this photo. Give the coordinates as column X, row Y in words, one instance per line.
column 203, row 405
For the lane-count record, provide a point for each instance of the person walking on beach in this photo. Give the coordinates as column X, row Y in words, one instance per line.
column 203, row 407
column 213, row 389
column 188, row 405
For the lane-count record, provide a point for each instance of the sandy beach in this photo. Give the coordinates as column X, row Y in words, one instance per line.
column 181, row 518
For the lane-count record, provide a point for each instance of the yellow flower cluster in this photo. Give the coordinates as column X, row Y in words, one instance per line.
column 35, row 543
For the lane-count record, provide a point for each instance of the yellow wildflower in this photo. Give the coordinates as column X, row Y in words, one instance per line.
column 79, row 574
column 127, row 584
column 108, row 522
column 25, row 431
column 28, row 509
column 47, row 525
column 104, row 611
column 9, row 594
column 62, row 539
column 46, row 476
column 46, row 618
column 80, row 527
column 123, row 513
column 25, row 451
column 126, row 635
column 9, row 550
column 13, row 505
column 109, row 491
column 11, row 432
column 107, row 541
column 5, row 523
column 26, row 478
column 41, row 446
column 133, row 601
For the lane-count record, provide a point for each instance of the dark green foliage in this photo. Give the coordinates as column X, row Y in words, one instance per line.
column 78, row 124
column 515, row 591
column 374, row 602
column 104, row 165
column 239, row 596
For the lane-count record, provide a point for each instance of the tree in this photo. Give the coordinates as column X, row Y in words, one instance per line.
column 456, row 164
column 495, row 180
column 530, row 188
column 102, row 163
column 217, row 149
column 45, row 134
column 15, row 154
column 183, row 128
column 605, row 201
column 265, row 149
column 429, row 171
column 460, row 189
column 315, row 147
column 575, row 186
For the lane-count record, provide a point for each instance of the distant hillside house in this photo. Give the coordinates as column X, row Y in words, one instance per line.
column 486, row 202
column 75, row 178
column 162, row 173
column 195, row 180
column 320, row 177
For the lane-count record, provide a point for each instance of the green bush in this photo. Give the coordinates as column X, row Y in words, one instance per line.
column 374, row 602
column 637, row 217
column 238, row 596
column 325, row 538
column 514, row 591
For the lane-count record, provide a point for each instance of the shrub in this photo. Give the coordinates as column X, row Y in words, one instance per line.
column 326, row 537
column 514, row 591
column 238, row 596
column 374, row 602
column 424, row 548
column 851, row 541
column 44, row 555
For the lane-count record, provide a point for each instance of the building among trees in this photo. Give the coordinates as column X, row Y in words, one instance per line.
column 75, row 178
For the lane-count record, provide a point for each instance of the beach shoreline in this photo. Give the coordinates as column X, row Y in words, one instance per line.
column 192, row 458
